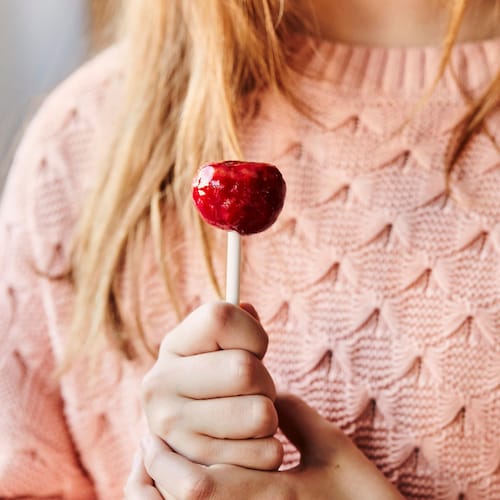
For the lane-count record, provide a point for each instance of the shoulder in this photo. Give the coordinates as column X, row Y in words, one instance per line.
column 57, row 157
column 83, row 97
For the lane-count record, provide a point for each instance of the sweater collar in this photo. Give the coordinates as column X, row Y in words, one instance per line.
column 408, row 71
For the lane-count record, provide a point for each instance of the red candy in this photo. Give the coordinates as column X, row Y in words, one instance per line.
column 239, row 196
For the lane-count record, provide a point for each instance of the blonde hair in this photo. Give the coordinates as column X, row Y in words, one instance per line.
column 175, row 118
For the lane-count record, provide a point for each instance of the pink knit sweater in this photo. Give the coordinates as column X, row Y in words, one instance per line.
column 381, row 295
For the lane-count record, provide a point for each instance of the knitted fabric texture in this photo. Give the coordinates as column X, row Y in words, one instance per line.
column 380, row 292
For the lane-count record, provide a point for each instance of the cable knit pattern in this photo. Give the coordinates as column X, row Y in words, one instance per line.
column 380, row 293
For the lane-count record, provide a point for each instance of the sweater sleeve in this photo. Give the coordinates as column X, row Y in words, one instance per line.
column 37, row 456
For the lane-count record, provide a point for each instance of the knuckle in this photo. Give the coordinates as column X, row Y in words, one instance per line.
column 264, row 339
column 205, row 451
column 198, row 486
column 166, row 349
column 168, row 421
column 148, row 387
column 245, row 369
column 161, row 405
column 151, row 457
column 184, row 443
column 164, row 423
column 274, row 453
column 220, row 314
column 160, row 381
column 264, row 416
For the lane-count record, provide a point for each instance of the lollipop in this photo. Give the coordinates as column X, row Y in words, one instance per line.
column 242, row 198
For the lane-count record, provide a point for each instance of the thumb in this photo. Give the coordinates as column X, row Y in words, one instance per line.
column 311, row 434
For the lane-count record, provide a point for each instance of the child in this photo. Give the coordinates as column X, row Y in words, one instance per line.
column 376, row 346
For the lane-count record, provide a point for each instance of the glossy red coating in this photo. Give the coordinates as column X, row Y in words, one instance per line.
column 241, row 196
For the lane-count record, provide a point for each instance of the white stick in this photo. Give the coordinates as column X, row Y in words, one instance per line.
column 233, row 258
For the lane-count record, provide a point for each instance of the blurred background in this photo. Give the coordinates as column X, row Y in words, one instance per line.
column 41, row 42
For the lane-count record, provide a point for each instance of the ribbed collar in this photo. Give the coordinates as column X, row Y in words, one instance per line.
column 408, row 71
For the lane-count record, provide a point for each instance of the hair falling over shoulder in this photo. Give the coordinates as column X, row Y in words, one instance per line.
column 175, row 118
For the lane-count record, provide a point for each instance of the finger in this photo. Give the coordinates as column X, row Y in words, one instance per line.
column 175, row 475
column 139, row 485
column 250, row 309
column 219, row 374
column 242, row 417
column 260, row 454
column 305, row 427
column 215, row 326
column 179, row 478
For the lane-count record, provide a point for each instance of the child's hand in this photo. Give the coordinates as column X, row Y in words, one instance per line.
column 209, row 396
column 331, row 467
